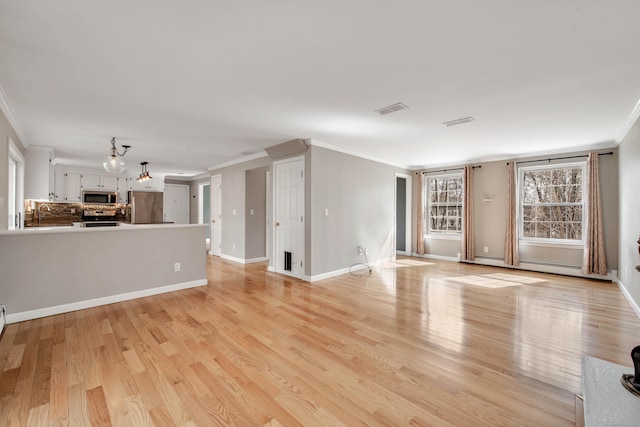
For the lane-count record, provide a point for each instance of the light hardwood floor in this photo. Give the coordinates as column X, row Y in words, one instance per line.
column 407, row 345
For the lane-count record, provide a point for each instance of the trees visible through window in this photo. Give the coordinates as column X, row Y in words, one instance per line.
column 551, row 202
column 444, row 204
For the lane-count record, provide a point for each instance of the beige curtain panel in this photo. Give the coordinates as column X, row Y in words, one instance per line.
column 511, row 256
column 468, row 242
column 420, row 214
column 594, row 260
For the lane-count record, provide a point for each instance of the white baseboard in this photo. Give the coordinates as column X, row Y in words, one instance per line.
column 254, row 260
column 233, row 258
column 627, row 295
column 545, row 268
column 342, row 271
column 328, row 275
column 440, row 257
column 81, row 305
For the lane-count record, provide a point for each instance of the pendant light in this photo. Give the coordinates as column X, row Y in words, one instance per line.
column 144, row 175
column 114, row 163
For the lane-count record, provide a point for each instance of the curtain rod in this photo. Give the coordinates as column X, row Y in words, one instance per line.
column 450, row 170
column 562, row 158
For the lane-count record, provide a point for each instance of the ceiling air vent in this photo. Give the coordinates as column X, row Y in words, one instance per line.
column 459, row 121
column 392, row 108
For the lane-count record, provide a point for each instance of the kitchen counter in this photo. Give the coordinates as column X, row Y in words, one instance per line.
column 72, row 229
column 54, row 270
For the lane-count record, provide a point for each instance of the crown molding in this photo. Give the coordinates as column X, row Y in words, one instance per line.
column 631, row 120
column 238, row 161
column 11, row 117
column 321, row 144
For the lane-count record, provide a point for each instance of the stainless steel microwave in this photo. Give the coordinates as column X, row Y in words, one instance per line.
column 99, row 197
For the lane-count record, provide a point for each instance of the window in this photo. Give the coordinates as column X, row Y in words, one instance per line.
column 444, row 204
column 551, row 202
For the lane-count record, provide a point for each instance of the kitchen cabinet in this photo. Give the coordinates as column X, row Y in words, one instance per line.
column 154, row 184
column 124, row 186
column 99, row 182
column 67, row 187
column 38, row 173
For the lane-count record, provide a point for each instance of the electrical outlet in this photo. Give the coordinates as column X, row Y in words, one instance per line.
column 359, row 250
column 176, row 266
column 73, row 210
column 486, row 249
column 251, row 211
column 233, row 246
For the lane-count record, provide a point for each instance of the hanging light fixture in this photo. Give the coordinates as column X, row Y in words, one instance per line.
column 144, row 175
column 113, row 163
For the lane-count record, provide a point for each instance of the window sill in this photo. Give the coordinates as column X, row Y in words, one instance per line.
column 443, row 236
column 563, row 245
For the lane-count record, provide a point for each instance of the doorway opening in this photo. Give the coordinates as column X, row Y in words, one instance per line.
column 204, row 210
column 403, row 214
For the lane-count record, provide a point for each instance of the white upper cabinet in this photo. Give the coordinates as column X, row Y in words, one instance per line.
column 38, row 173
column 124, row 186
column 154, row 184
column 74, row 187
column 67, row 187
column 99, row 182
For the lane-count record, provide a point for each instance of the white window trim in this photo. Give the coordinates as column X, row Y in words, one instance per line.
column 442, row 235
column 535, row 241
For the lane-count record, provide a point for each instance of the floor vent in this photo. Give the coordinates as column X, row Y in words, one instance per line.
column 391, row 108
column 287, row 261
column 459, row 121
column 3, row 318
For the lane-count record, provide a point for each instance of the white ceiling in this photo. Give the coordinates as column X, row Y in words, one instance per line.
column 193, row 84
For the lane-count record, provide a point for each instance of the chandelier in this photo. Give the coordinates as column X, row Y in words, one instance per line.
column 114, row 163
column 144, row 175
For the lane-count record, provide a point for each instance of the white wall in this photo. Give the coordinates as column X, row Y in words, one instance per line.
column 234, row 198
column 360, row 197
column 629, row 213
column 72, row 269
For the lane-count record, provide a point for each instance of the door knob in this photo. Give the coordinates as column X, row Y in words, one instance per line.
column 213, row 220
column 277, row 224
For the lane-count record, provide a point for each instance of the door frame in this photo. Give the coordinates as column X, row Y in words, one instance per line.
column 201, row 186
column 219, row 249
column 15, row 156
column 408, row 211
column 274, row 239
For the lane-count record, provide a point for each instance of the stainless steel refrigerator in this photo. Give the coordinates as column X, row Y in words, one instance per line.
column 146, row 207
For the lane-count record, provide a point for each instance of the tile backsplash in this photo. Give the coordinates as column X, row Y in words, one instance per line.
column 36, row 214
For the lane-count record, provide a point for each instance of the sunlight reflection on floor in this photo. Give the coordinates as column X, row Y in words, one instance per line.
column 404, row 263
column 497, row 280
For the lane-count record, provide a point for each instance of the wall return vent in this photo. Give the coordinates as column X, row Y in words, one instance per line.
column 391, row 108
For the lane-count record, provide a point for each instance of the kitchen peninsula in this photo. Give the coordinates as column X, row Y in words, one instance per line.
column 51, row 270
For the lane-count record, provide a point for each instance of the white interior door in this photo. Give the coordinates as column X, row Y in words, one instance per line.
column 176, row 204
column 216, row 215
column 289, row 217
